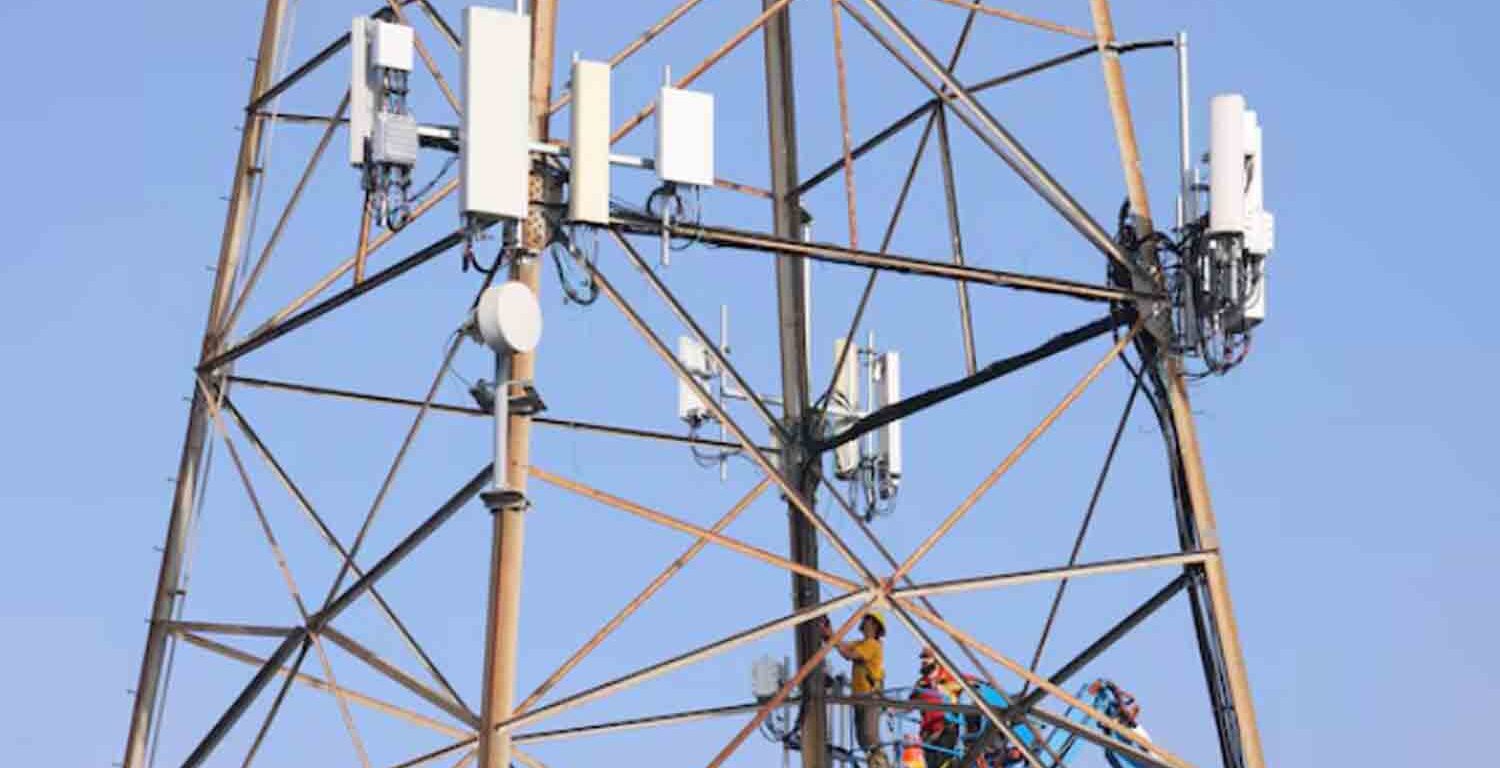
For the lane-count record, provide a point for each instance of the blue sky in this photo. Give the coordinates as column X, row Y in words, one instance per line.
column 1351, row 458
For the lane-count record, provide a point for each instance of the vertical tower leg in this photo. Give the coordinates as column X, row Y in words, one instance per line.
column 180, row 521
column 1221, row 626
column 1218, row 626
column 800, row 465
column 509, row 524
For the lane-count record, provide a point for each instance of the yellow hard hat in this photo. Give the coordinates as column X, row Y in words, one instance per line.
column 879, row 620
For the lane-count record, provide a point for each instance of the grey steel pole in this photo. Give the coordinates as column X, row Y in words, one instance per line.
column 1185, row 201
column 180, row 522
column 509, row 523
column 502, row 418
column 798, row 464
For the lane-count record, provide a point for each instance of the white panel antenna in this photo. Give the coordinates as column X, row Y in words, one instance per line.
column 1259, row 224
column 693, row 356
column 846, row 403
column 495, row 138
column 390, row 45
column 685, row 137
column 767, row 675
column 361, row 90
column 588, row 176
column 887, row 392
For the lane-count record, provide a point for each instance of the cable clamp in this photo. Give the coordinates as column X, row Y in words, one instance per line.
column 504, row 499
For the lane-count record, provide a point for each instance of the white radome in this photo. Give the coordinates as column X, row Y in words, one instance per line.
column 508, row 318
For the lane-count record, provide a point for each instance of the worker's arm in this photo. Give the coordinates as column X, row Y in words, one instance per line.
column 848, row 649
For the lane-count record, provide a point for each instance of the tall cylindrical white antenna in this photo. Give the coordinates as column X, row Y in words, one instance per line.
column 1226, row 164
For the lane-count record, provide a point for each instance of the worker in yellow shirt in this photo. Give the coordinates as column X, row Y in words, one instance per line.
column 867, row 656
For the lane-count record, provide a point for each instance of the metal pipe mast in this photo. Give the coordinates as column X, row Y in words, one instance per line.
column 509, row 519
column 800, row 464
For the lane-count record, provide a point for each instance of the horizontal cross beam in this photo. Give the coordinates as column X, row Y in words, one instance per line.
column 755, row 241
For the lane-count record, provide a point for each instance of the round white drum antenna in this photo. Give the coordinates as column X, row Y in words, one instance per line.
column 508, row 318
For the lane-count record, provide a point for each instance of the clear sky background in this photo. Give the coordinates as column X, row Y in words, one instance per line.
column 1351, row 459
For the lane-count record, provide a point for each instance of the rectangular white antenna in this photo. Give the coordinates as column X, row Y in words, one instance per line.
column 588, row 176
column 374, row 45
column 1259, row 232
column 685, row 137
column 361, row 90
column 695, row 358
column 391, row 46
column 1226, row 163
column 889, row 392
column 846, row 403
column 495, row 138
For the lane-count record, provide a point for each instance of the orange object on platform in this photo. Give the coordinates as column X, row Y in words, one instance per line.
column 912, row 755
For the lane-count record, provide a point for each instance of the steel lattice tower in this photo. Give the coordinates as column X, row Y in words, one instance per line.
column 1135, row 317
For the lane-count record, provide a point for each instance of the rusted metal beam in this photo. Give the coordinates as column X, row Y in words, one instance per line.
column 842, row 72
column 316, row 683
column 703, row 66
column 955, row 239
column 350, row 263
column 635, row 45
column 664, row 519
column 286, row 216
column 1015, row 454
column 275, row 708
column 270, row 667
column 978, row 87
column 987, row 128
column 655, row 670
column 794, row 496
column 1088, row 517
column 333, row 542
column 754, row 241
column 1014, row 578
column 896, row 210
column 284, row 568
column 1021, row 18
column 692, row 657
column 268, row 334
column 635, row 603
column 221, row 628
column 406, row 546
column 179, row 522
column 397, row 675
column 426, row 56
column 1003, row 367
column 468, row 410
